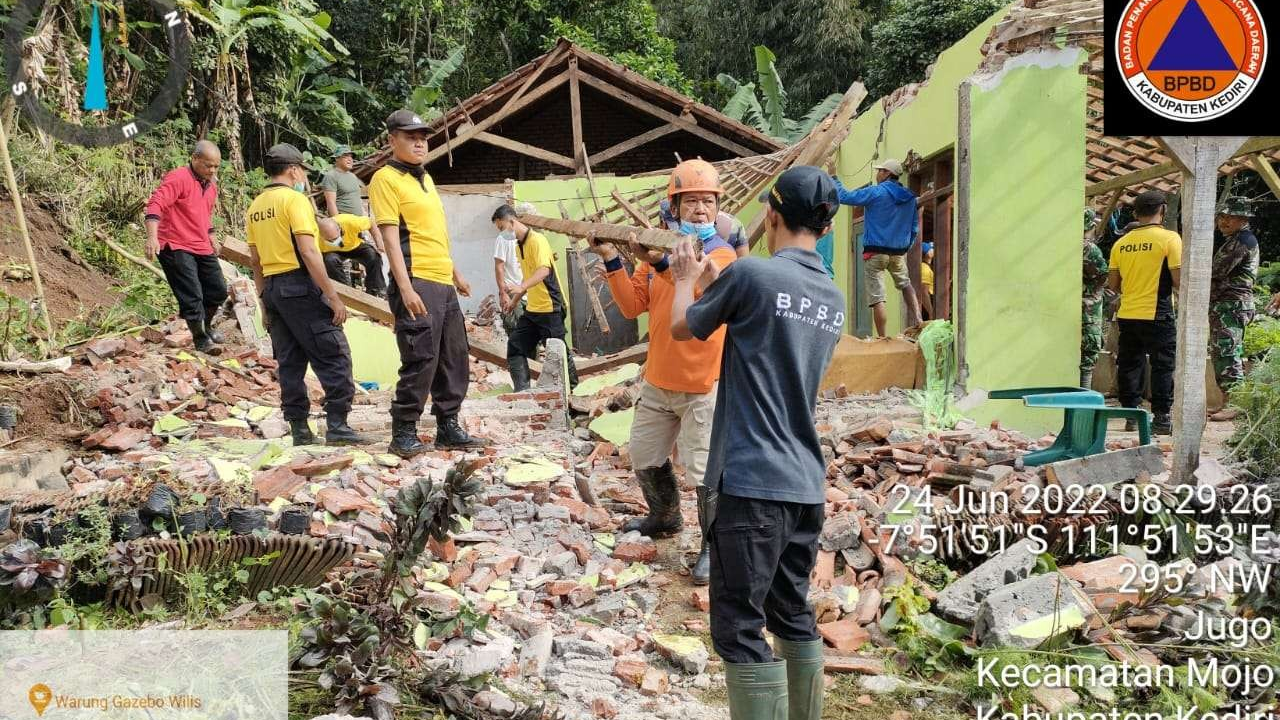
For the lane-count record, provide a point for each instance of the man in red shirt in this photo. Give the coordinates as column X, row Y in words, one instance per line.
column 180, row 233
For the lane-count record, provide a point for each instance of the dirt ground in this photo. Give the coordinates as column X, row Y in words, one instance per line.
column 72, row 287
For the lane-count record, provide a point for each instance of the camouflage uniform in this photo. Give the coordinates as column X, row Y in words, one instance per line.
column 1231, row 305
column 1093, row 317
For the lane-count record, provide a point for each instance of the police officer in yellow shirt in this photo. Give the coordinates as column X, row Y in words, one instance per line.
column 341, row 241
column 302, row 311
column 430, row 329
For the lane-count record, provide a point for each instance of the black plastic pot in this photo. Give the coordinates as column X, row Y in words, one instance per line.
column 216, row 517
column 160, row 503
column 8, row 416
column 58, row 533
column 6, row 517
column 127, row 525
column 295, row 521
column 243, row 521
column 36, row 530
column 192, row 521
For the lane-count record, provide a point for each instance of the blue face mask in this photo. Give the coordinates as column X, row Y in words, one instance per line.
column 300, row 187
column 508, row 235
column 704, row 231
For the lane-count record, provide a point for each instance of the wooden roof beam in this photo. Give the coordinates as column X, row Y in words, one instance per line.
column 628, row 145
column 528, row 99
column 526, row 149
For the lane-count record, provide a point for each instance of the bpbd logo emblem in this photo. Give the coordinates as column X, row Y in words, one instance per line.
column 1191, row 60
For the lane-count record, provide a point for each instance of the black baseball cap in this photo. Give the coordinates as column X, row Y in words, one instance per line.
column 805, row 195
column 286, row 154
column 404, row 120
column 1149, row 201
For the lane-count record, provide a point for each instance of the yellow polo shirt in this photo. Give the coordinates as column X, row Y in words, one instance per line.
column 352, row 226
column 274, row 221
column 1144, row 258
column 398, row 198
column 535, row 252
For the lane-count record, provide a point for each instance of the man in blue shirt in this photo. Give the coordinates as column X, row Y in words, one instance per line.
column 784, row 319
column 890, row 227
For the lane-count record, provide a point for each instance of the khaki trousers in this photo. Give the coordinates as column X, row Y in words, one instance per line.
column 665, row 420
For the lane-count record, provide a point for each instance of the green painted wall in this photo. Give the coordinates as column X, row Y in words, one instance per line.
column 927, row 125
column 575, row 194
column 1026, row 193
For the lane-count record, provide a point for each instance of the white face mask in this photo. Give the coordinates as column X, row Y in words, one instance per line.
column 508, row 235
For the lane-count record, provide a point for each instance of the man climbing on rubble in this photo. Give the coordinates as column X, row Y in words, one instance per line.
column 1093, row 302
column 543, row 316
column 303, row 312
column 784, row 319
column 341, row 241
column 890, row 229
column 1144, row 269
column 179, row 222
column 430, row 329
column 677, row 398
column 1231, row 305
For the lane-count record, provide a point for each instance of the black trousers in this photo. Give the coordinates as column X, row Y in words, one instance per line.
column 196, row 281
column 762, row 552
column 1140, row 340
column 364, row 254
column 534, row 329
column 303, row 333
column 434, row 350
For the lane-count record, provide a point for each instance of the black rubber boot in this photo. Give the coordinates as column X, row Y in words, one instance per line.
column 663, row 496
column 404, row 439
column 301, row 432
column 198, row 336
column 451, row 436
column 518, row 366
column 1086, row 379
column 209, row 330
column 338, row 432
column 700, row 573
column 1162, row 424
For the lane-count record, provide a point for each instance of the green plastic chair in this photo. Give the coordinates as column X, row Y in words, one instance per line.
column 1084, row 421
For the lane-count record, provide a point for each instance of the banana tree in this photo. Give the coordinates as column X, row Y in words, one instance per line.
column 770, row 117
column 308, row 105
column 424, row 97
column 230, row 21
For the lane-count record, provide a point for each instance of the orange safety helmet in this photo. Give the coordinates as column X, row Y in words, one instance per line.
column 694, row 176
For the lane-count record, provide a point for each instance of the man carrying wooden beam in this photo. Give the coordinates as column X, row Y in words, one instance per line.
column 725, row 226
column 430, row 329
column 1145, row 266
column 677, row 399
column 543, row 316
column 1231, row 308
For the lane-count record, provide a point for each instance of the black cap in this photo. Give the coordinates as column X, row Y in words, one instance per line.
column 1149, row 201
column 286, row 154
column 404, row 120
column 805, row 195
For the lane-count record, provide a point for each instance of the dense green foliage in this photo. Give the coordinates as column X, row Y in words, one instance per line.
column 908, row 41
column 770, row 117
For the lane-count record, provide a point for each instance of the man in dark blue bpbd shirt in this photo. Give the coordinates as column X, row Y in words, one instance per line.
column 784, row 318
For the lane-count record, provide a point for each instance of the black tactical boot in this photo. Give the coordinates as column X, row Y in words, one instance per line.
column 1086, row 379
column 700, row 573
column 1162, row 424
column 404, row 439
column 199, row 337
column 518, row 366
column 663, row 496
column 338, row 432
column 301, row 432
column 451, row 436
column 209, row 330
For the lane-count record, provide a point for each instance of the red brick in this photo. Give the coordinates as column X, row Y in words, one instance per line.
column 445, row 551
column 824, row 570
column 559, row 588
column 636, row 552
column 603, row 708
column 701, row 599
column 481, row 579
column 598, row 518
column 281, row 482
column 631, row 672
column 577, row 509
column 338, row 501
column 322, row 465
column 581, row 595
column 655, row 683
column 843, row 635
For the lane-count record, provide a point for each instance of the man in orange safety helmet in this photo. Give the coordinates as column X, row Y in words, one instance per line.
column 678, row 395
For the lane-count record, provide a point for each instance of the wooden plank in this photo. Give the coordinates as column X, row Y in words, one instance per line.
column 575, row 115
column 625, row 146
column 631, row 210
column 470, row 133
column 658, row 239
column 1170, row 167
column 1263, row 165
column 1106, row 213
column 593, row 295
column 687, row 124
column 604, row 363
column 942, row 260
column 526, row 149
column 373, row 307
column 1108, row 468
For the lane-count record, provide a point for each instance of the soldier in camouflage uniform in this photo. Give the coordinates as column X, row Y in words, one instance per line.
column 1231, row 304
column 1093, row 316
